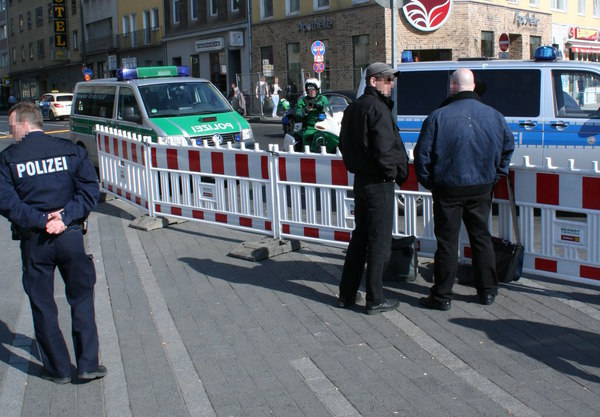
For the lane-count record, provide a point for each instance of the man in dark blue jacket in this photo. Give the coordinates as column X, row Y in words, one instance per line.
column 373, row 151
column 48, row 186
column 463, row 149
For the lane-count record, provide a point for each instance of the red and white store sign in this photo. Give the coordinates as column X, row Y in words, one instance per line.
column 427, row 15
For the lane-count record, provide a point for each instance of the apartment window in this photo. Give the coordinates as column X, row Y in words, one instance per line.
column 266, row 9
column 194, row 9
column 29, row 20
column 51, row 45
column 23, row 53
column 360, row 56
column 534, row 3
column 487, row 44
column 75, row 40
column 12, row 26
column 558, row 5
column 320, row 4
column 359, row 1
column 21, row 23
column 176, row 16
column 14, row 55
column 2, row 32
column 31, row 51
column 146, row 26
column 4, row 60
column 40, row 48
column 126, row 29
column 154, row 19
column 292, row 6
column 50, row 12
column 581, row 7
column 293, row 64
column 534, row 43
column 39, row 16
column 235, row 5
column 595, row 8
column 73, row 7
column 214, row 7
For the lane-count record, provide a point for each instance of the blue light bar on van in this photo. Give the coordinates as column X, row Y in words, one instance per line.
column 152, row 72
column 545, row 53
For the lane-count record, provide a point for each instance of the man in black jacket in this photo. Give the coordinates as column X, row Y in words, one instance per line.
column 463, row 149
column 47, row 187
column 373, row 151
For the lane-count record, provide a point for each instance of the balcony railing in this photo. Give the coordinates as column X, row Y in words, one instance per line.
column 105, row 43
column 138, row 38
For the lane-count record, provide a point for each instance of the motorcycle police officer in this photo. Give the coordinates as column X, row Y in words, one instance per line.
column 48, row 186
column 309, row 108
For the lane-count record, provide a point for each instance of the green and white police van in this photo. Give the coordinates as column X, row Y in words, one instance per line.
column 164, row 103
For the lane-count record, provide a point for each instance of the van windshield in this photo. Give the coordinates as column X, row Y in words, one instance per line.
column 183, row 99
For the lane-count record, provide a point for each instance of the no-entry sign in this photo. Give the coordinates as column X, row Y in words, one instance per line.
column 504, row 42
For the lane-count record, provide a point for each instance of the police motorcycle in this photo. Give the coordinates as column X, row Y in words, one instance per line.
column 326, row 130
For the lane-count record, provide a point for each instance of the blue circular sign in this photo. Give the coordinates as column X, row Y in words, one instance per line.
column 317, row 48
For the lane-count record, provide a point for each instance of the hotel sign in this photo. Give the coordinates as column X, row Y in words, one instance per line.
column 60, row 23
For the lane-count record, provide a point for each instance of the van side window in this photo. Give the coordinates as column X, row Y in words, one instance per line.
column 513, row 92
column 420, row 93
column 128, row 105
column 576, row 94
column 95, row 101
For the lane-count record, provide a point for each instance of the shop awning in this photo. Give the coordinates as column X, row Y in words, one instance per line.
column 583, row 46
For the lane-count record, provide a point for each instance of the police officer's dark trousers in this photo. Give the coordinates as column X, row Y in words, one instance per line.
column 371, row 239
column 41, row 254
column 474, row 211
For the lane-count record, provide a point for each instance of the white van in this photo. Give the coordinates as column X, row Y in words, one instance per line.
column 551, row 106
column 161, row 102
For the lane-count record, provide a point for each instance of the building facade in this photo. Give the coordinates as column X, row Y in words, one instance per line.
column 357, row 32
column 44, row 46
column 212, row 37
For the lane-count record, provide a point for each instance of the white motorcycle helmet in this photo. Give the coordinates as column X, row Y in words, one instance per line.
column 312, row 81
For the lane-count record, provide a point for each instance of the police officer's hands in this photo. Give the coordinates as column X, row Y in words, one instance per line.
column 55, row 225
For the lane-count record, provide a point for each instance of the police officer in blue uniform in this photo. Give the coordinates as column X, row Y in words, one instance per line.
column 48, row 186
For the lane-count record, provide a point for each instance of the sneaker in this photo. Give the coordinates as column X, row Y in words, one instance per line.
column 434, row 304
column 56, row 379
column 91, row 375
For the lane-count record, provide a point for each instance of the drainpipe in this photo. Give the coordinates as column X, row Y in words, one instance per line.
column 83, row 57
column 249, row 30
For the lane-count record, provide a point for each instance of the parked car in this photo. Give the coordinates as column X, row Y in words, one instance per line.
column 338, row 101
column 55, row 105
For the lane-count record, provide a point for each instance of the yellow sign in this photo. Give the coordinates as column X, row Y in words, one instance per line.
column 60, row 23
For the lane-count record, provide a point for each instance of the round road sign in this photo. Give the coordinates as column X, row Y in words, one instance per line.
column 317, row 48
column 319, row 67
column 504, row 42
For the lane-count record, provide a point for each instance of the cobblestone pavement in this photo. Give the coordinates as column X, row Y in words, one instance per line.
column 186, row 330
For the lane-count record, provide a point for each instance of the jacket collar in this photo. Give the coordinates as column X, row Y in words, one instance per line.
column 373, row 92
column 463, row 95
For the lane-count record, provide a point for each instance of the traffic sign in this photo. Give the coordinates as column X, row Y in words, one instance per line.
column 317, row 48
column 504, row 42
column 319, row 67
column 319, row 58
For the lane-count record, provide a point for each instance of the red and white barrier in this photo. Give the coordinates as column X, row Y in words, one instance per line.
column 309, row 197
column 122, row 161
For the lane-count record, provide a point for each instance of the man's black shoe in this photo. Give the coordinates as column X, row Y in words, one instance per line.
column 344, row 303
column 386, row 305
column 430, row 302
column 56, row 379
column 97, row 374
column 487, row 299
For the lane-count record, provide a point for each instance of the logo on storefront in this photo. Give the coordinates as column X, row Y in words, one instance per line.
column 427, row 15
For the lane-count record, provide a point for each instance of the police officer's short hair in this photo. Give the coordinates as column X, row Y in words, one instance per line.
column 26, row 111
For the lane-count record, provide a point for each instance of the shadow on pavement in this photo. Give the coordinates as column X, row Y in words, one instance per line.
column 22, row 363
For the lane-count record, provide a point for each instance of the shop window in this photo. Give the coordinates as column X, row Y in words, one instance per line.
column 266, row 9
column 534, row 43
column 266, row 54
column 293, row 65
column 487, row 44
column 292, row 6
column 576, row 94
column 320, row 4
column 581, row 7
column 558, row 5
column 360, row 56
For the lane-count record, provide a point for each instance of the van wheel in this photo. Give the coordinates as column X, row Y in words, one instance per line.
column 51, row 115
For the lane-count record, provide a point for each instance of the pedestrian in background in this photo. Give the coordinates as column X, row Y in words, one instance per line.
column 237, row 100
column 262, row 92
column 373, row 151
column 291, row 92
column 463, row 149
column 48, row 186
column 275, row 89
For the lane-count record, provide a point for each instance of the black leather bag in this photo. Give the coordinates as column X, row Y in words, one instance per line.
column 509, row 259
column 509, row 255
column 403, row 264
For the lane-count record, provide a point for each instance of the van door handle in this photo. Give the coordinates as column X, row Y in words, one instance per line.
column 560, row 125
column 528, row 124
